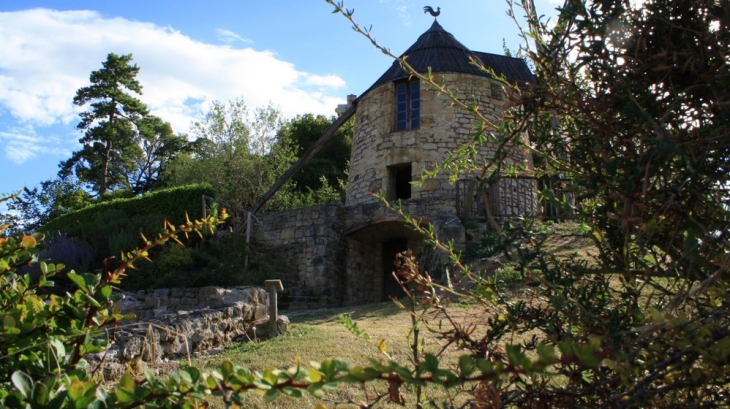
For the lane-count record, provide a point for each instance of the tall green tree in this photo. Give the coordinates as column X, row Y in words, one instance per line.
column 159, row 145
column 236, row 149
column 331, row 163
column 110, row 138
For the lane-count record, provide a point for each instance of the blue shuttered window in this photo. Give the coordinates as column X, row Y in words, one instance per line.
column 407, row 105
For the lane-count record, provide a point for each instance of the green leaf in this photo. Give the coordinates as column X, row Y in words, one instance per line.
column 124, row 395
column 315, row 375
column 210, row 382
column 546, row 352
column 294, row 392
column 517, row 357
column 106, row 291
column 271, row 394
column 92, row 301
column 485, row 366
column 431, row 363
column 364, row 374
column 185, row 376
column 23, row 383
column 40, row 394
column 76, row 390
column 226, row 369
column 270, row 377
column 316, row 389
column 466, row 365
column 78, row 280
column 126, row 382
column 194, row 374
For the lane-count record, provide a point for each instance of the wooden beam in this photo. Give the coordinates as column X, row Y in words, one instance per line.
column 306, row 156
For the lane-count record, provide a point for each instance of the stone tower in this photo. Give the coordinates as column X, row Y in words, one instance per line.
column 403, row 127
column 344, row 254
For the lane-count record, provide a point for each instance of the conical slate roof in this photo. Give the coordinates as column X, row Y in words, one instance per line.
column 438, row 49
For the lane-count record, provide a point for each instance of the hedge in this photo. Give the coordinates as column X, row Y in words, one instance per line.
column 171, row 204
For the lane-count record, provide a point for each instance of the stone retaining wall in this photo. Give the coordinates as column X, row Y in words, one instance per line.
column 331, row 255
column 306, row 247
column 148, row 304
column 167, row 319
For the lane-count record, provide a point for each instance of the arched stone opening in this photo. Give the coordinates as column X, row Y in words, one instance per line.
column 370, row 257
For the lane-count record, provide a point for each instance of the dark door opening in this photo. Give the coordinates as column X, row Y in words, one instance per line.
column 400, row 181
column 391, row 287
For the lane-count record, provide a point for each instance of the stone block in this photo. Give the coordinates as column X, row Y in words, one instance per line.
column 152, row 302
column 260, row 312
column 211, row 294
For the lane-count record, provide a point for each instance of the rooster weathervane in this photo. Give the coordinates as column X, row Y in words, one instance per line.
column 429, row 9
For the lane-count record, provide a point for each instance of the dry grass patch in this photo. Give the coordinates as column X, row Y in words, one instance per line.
column 318, row 335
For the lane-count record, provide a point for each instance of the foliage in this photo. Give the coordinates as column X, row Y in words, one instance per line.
column 174, row 266
column 627, row 107
column 331, row 163
column 323, row 194
column 636, row 119
column 159, row 146
column 123, row 146
column 36, row 207
column 44, row 337
column 490, row 244
column 110, row 135
column 111, row 226
column 173, row 201
column 236, row 151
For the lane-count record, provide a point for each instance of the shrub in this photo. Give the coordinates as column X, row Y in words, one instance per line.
column 173, row 203
column 70, row 251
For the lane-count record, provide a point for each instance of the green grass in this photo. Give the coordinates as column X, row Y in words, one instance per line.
column 318, row 335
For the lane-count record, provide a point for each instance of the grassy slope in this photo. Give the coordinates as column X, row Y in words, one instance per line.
column 318, row 335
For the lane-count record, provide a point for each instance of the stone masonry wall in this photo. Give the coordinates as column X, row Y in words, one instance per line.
column 332, row 254
column 149, row 304
column 305, row 246
column 443, row 128
column 207, row 317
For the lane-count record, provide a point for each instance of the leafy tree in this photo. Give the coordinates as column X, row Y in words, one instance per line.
column 44, row 337
column 110, row 140
column 159, row 146
column 237, row 151
column 33, row 208
column 629, row 107
column 331, row 163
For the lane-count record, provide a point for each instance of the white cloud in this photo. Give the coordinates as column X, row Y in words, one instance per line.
column 228, row 36
column 332, row 81
column 47, row 55
column 401, row 9
column 21, row 146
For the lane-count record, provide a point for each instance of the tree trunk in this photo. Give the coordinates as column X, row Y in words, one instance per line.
column 105, row 168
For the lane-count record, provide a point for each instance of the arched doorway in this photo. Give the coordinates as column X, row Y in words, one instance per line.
column 391, row 285
column 371, row 251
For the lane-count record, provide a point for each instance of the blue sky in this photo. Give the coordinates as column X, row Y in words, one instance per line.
column 294, row 54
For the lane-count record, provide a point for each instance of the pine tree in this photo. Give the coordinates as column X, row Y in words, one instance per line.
column 110, row 138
